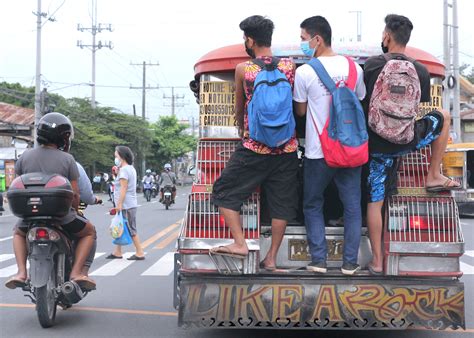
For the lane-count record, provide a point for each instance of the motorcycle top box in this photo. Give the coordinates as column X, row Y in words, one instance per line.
column 40, row 195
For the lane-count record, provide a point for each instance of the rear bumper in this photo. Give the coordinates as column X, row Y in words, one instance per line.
column 306, row 301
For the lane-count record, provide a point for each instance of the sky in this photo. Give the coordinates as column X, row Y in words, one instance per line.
column 177, row 33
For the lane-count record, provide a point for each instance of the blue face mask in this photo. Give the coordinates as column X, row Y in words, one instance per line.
column 304, row 45
column 117, row 162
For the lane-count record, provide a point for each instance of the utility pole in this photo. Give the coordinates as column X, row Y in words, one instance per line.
column 39, row 16
column 94, row 29
column 359, row 24
column 451, row 62
column 144, row 87
column 173, row 98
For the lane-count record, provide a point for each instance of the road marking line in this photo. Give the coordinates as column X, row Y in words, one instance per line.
column 163, row 267
column 164, row 243
column 469, row 253
column 160, row 234
column 98, row 254
column 6, row 238
column 100, row 309
column 154, row 202
column 467, row 269
column 114, row 267
column 6, row 257
column 8, row 271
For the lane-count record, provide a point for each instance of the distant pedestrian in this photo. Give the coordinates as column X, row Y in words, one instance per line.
column 125, row 197
column 96, row 182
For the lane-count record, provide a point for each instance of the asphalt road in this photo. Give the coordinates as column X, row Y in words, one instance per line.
column 134, row 299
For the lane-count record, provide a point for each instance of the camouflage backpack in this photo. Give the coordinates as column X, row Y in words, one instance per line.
column 395, row 99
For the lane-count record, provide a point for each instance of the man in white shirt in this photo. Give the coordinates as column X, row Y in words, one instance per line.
column 313, row 99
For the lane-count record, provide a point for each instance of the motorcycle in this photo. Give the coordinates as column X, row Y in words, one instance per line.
column 154, row 190
column 167, row 196
column 41, row 200
column 147, row 187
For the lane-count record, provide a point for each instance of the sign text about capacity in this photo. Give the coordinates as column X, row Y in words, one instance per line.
column 217, row 99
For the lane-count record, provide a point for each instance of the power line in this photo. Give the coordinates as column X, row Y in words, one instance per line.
column 94, row 29
column 144, row 86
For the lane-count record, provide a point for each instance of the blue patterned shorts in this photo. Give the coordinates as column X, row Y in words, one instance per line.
column 382, row 179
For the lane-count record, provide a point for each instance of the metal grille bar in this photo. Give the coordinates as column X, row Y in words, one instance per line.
column 212, row 157
column 202, row 219
column 423, row 219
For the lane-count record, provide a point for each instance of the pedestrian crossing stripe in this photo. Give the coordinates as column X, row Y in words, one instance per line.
column 164, row 266
column 114, row 266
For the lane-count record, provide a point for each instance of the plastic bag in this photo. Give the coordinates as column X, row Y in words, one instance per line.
column 125, row 238
column 116, row 226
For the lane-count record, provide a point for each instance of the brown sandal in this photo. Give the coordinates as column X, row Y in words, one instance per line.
column 85, row 283
column 14, row 283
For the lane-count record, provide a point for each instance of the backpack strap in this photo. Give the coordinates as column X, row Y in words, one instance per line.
column 322, row 74
column 267, row 66
column 389, row 56
column 352, row 77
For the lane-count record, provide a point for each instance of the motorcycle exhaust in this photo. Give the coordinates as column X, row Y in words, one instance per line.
column 72, row 292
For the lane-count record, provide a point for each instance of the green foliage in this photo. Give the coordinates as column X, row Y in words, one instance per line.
column 15, row 93
column 169, row 142
column 467, row 71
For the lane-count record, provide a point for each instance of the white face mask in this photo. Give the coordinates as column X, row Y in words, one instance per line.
column 117, row 162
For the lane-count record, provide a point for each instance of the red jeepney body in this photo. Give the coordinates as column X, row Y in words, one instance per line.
column 422, row 236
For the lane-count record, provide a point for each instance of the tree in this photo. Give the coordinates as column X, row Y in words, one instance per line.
column 168, row 142
column 467, row 71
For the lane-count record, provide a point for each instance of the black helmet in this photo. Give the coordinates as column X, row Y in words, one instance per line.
column 55, row 128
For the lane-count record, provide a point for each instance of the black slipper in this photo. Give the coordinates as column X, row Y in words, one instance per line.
column 136, row 258
column 374, row 272
column 267, row 268
column 112, row 256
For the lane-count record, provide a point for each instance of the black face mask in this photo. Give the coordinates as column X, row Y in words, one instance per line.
column 249, row 51
column 384, row 48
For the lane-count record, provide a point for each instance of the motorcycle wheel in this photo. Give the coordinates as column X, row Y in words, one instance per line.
column 46, row 302
column 148, row 195
column 167, row 204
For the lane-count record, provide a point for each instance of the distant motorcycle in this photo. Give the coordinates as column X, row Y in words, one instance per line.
column 167, row 196
column 40, row 200
column 154, row 190
column 147, row 187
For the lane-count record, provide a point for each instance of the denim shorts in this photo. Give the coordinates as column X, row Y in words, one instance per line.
column 382, row 179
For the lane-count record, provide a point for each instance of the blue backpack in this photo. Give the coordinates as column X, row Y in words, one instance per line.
column 344, row 138
column 270, row 111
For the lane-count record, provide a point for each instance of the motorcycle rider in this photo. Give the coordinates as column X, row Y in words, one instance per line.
column 148, row 180
column 54, row 134
column 168, row 179
column 87, row 197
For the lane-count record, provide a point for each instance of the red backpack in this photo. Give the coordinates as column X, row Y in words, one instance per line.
column 344, row 138
column 395, row 100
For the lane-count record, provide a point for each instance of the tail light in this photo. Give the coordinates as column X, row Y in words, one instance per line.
column 42, row 234
column 435, row 224
column 418, row 223
column 56, row 181
column 17, row 184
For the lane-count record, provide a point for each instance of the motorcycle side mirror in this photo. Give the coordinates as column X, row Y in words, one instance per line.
column 192, row 170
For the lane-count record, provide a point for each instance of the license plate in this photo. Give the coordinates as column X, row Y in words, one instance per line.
column 298, row 250
column 35, row 201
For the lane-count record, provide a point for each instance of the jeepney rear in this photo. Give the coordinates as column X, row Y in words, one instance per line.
column 423, row 240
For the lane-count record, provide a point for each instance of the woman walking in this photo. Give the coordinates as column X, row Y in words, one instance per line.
column 125, row 198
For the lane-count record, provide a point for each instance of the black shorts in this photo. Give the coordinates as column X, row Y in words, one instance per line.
column 246, row 171
column 72, row 228
column 382, row 177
